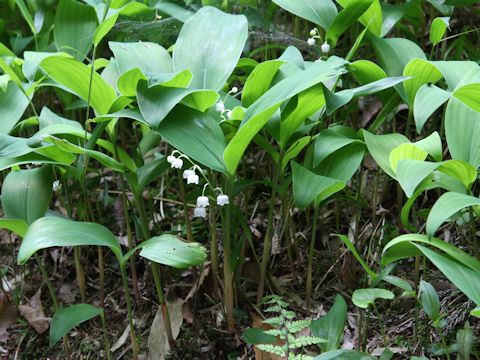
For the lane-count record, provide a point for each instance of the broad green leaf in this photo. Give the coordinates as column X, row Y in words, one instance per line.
column 406, row 151
column 343, row 163
column 13, row 104
column 75, row 77
column 15, row 225
column 259, row 81
column 380, row 147
column 260, row 112
column 156, row 102
column 52, row 231
column 26, row 15
column 331, row 140
column 465, row 340
column 65, row 319
column 104, row 28
column 462, row 130
column 421, row 72
column 330, row 326
column 176, row 11
column 169, row 250
column 256, row 336
column 410, row 173
column 47, row 117
column 427, row 100
column 371, row 18
column 344, row 355
column 321, row 13
column 392, row 14
column 455, row 71
column 195, row 134
column 469, row 95
column 209, row 45
column 294, row 150
column 446, row 206
column 32, row 62
column 438, row 28
column 432, row 144
column 430, row 301
column 149, row 57
column 309, row 187
column 476, row 312
column 363, row 298
column 405, row 246
column 352, row 11
column 26, row 194
column 74, row 27
column 366, row 71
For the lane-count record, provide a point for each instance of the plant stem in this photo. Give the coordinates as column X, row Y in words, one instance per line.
column 310, row 256
column 214, row 247
column 227, row 257
column 80, row 274
column 186, row 213
column 105, row 337
column 133, row 336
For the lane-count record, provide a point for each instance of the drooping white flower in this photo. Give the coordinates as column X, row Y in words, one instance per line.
column 56, row 185
column 202, row 201
column 313, row 32
column 229, row 114
column 325, row 47
column 171, row 159
column 200, row 212
column 234, row 90
column 193, row 179
column 177, row 163
column 187, row 173
column 220, row 106
column 223, row 200
column 311, row 41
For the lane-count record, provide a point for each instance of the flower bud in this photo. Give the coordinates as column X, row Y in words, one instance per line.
column 311, row 41
column 313, row 32
column 325, row 47
column 202, row 201
column 234, row 90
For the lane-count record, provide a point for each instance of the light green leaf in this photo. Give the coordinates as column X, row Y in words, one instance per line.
column 52, row 231
column 421, row 72
column 330, row 326
column 438, row 28
column 410, row 173
column 343, row 163
column 74, row 27
column 455, row 71
column 176, row 11
column 259, row 81
column 75, row 77
column 363, row 298
column 209, row 45
column 15, row 225
column 344, row 355
column 371, row 18
column 430, row 301
column 321, row 13
column 169, row 250
column 66, row 319
column 331, row 140
column 309, row 187
column 13, row 104
column 26, row 194
column 469, row 95
column 406, row 151
column 104, row 28
column 427, row 100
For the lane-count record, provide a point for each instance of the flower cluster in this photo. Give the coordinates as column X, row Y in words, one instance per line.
column 191, row 177
column 312, row 40
column 220, row 105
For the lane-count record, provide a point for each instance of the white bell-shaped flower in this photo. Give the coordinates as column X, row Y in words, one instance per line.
column 325, row 47
column 313, row 32
column 223, row 200
column 311, row 41
column 56, row 185
column 220, row 106
column 193, row 179
column 171, row 159
column 202, row 201
column 177, row 163
column 200, row 212
column 234, row 90
column 229, row 114
column 187, row 173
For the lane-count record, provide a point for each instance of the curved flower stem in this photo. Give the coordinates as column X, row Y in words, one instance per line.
column 310, row 256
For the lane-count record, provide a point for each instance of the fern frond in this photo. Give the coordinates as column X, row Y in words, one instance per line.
column 272, row 349
column 297, row 325
column 302, row 341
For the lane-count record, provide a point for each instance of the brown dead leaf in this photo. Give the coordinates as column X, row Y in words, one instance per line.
column 199, row 282
column 8, row 317
column 67, row 293
column 187, row 312
column 157, row 340
column 34, row 314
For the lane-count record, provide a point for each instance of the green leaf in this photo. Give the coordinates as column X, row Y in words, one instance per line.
column 330, row 326
column 371, row 18
column 469, row 95
column 309, row 187
column 392, row 14
column 26, row 194
column 430, row 301
column 427, row 100
column 75, row 77
column 465, row 342
column 260, row 112
column 209, row 45
column 15, row 225
column 446, row 206
column 331, row 140
column 455, row 71
column 56, row 231
column 352, row 11
column 176, row 11
column 321, row 13
column 438, row 28
column 156, row 102
column 66, row 319
column 404, row 152
column 74, row 26
column 344, row 355
column 421, row 72
column 462, row 130
column 363, row 298
column 410, row 173
column 195, row 134
column 13, row 104
column 256, row 336
column 357, row 256
column 104, row 28
column 169, row 250
column 26, row 15
column 259, row 81
column 343, row 163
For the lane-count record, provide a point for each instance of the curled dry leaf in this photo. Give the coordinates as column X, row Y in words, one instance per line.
column 8, row 317
column 34, row 313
